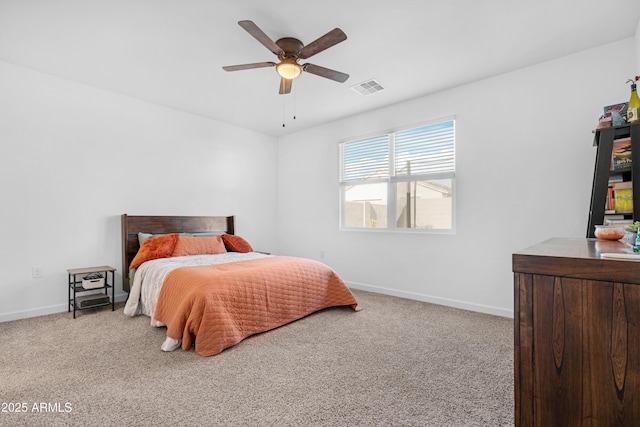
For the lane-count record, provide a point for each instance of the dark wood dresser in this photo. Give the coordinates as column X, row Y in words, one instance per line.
column 577, row 335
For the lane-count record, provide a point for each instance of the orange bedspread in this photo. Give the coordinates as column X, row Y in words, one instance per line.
column 220, row 305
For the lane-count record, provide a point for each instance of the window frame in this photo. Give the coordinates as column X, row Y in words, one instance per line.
column 392, row 180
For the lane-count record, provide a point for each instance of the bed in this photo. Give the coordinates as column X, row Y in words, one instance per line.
column 213, row 299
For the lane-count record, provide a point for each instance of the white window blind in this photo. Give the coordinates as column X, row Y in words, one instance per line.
column 425, row 150
column 364, row 160
column 401, row 180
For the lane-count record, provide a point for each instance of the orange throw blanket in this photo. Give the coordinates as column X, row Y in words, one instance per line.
column 220, row 305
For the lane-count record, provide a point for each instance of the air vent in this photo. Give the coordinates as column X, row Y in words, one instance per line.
column 368, row 87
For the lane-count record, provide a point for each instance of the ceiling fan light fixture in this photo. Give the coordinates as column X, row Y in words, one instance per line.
column 289, row 51
column 288, row 69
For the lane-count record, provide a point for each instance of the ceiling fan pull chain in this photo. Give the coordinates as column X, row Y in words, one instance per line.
column 283, row 112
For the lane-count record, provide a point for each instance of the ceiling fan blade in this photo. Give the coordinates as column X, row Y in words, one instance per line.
column 248, row 66
column 333, row 37
column 325, row 72
column 285, row 86
column 259, row 35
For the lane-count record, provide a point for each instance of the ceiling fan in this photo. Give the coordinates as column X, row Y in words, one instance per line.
column 289, row 50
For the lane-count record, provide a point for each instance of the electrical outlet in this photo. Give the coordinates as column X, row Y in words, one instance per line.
column 37, row 272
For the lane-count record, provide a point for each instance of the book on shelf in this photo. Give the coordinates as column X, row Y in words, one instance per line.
column 613, row 216
column 608, row 221
column 609, row 206
column 623, row 197
column 621, row 154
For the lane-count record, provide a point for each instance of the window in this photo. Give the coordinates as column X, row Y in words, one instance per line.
column 402, row 180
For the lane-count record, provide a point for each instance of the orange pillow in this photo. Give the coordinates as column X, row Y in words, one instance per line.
column 198, row 245
column 236, row 243
column 154, row 248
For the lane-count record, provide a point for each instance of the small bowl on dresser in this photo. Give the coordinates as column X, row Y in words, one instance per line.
column 609, row 232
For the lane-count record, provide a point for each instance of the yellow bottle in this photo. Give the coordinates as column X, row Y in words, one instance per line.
column 633, row 108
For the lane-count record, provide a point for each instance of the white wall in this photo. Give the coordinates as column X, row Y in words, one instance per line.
column 638, row 49
column 524, row 169
column 74, row 158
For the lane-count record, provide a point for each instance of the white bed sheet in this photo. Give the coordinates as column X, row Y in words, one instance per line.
column 150, row 276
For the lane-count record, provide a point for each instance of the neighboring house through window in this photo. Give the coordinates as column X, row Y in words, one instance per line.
column 400, row 181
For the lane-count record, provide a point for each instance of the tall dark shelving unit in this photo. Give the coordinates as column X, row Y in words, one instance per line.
column 603, row 140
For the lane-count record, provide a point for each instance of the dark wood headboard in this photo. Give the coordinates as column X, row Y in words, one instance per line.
column 132, row 225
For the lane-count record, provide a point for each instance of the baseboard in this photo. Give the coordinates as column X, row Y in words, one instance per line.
column 496, row 311
column 43, row 311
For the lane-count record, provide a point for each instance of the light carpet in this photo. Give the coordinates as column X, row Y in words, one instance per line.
column 399, row 362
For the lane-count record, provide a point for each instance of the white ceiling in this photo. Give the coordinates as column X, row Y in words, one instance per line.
column 171, row 52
